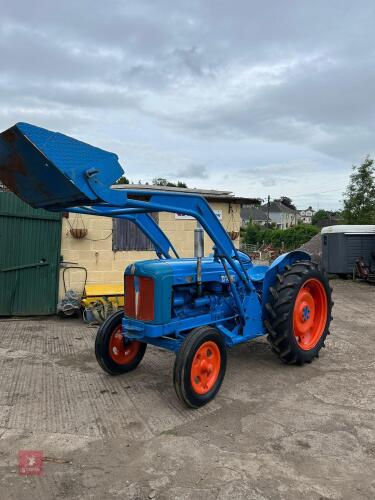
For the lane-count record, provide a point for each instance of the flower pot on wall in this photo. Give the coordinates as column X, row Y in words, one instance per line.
column 78, row 233
column 233, row 235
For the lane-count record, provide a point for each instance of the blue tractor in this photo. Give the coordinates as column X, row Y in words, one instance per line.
column 196, row 307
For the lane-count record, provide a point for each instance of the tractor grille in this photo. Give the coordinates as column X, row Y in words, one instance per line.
column 139, row 297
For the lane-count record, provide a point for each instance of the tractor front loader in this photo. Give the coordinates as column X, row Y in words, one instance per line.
column 197, row 307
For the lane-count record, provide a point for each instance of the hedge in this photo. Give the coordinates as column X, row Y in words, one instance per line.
column 290, row 238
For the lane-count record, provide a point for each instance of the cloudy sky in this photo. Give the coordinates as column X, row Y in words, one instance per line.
column 257, row 97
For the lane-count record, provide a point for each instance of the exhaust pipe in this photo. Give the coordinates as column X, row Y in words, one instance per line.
column 199, row 253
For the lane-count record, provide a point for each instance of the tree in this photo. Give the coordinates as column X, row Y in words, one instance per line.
column 359, row 197
column 285, row 200
column 161, row 181
column 123, row 180
column 320, row 215
column 251, row 234
column 290, row 238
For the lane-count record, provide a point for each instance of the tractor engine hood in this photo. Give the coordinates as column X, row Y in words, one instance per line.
column 180, row 271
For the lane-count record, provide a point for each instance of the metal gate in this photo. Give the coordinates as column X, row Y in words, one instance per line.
column 29, row 258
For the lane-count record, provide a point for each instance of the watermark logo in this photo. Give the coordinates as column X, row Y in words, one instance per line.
column 30, row 463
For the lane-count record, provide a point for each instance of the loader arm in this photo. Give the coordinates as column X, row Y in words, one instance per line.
column 53, row 171
column 120, row 203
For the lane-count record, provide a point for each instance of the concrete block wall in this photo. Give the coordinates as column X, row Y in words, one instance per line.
column 94, row 252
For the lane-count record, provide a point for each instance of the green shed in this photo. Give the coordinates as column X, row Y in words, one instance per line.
column 30, row 242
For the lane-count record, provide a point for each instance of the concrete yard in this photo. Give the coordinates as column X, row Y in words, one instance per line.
column 274, row 431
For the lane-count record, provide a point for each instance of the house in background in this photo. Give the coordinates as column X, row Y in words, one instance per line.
column 281, row 215
column 306, row 215
column 256, row 215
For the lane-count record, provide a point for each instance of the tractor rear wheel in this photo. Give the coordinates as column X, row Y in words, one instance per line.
column 115, row 353
column 200, row 366
column 299, row 313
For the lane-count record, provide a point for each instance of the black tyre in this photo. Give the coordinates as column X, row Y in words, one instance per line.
column 299, row 313
column 114, row 353
column 200, row 366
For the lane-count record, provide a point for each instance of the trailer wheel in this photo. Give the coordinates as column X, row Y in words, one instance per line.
column 200, row 366
column 299, row 313
column 114, row 353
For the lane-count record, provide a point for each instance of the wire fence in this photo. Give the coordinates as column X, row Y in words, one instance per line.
column 266, row 253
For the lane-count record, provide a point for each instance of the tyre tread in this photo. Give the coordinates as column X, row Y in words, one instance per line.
column 279, row 311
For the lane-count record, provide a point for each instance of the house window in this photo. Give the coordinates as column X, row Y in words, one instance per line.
column 127, row 236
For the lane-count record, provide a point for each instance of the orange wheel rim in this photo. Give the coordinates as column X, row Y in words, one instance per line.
column 205, row 368
column 310, row 314
column 122, row 351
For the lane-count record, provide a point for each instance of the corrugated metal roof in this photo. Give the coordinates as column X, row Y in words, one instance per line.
column 211, row 194
column 348, row 229
column 253, row 213
column 277, row 206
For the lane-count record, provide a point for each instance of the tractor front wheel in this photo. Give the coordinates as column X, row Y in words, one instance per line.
column 200, row 366
column 299, row 313
column 115, row 353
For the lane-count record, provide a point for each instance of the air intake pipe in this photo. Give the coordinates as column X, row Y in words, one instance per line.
column 199, row 253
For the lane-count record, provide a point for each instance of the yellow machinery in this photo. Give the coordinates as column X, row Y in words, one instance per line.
column 101, row 300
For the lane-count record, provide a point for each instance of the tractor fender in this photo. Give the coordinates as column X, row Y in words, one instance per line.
column 278, row 267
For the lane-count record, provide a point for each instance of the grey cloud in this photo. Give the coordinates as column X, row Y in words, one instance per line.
column 269, row 182
column 191, row 171
column 72, row 96
column 327, row 106
column 28, row 53
column 274, row 174
column 195, row 73
column 191, row 58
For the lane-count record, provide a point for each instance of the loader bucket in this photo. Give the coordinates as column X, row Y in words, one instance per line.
column 47, row 169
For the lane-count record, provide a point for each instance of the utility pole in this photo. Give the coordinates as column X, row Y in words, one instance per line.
column 268, row 210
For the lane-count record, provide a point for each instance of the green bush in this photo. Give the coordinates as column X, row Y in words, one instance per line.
column 251, row 234
column 291, row 238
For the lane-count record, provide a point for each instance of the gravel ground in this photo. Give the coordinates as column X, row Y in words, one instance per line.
column 273, row 432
